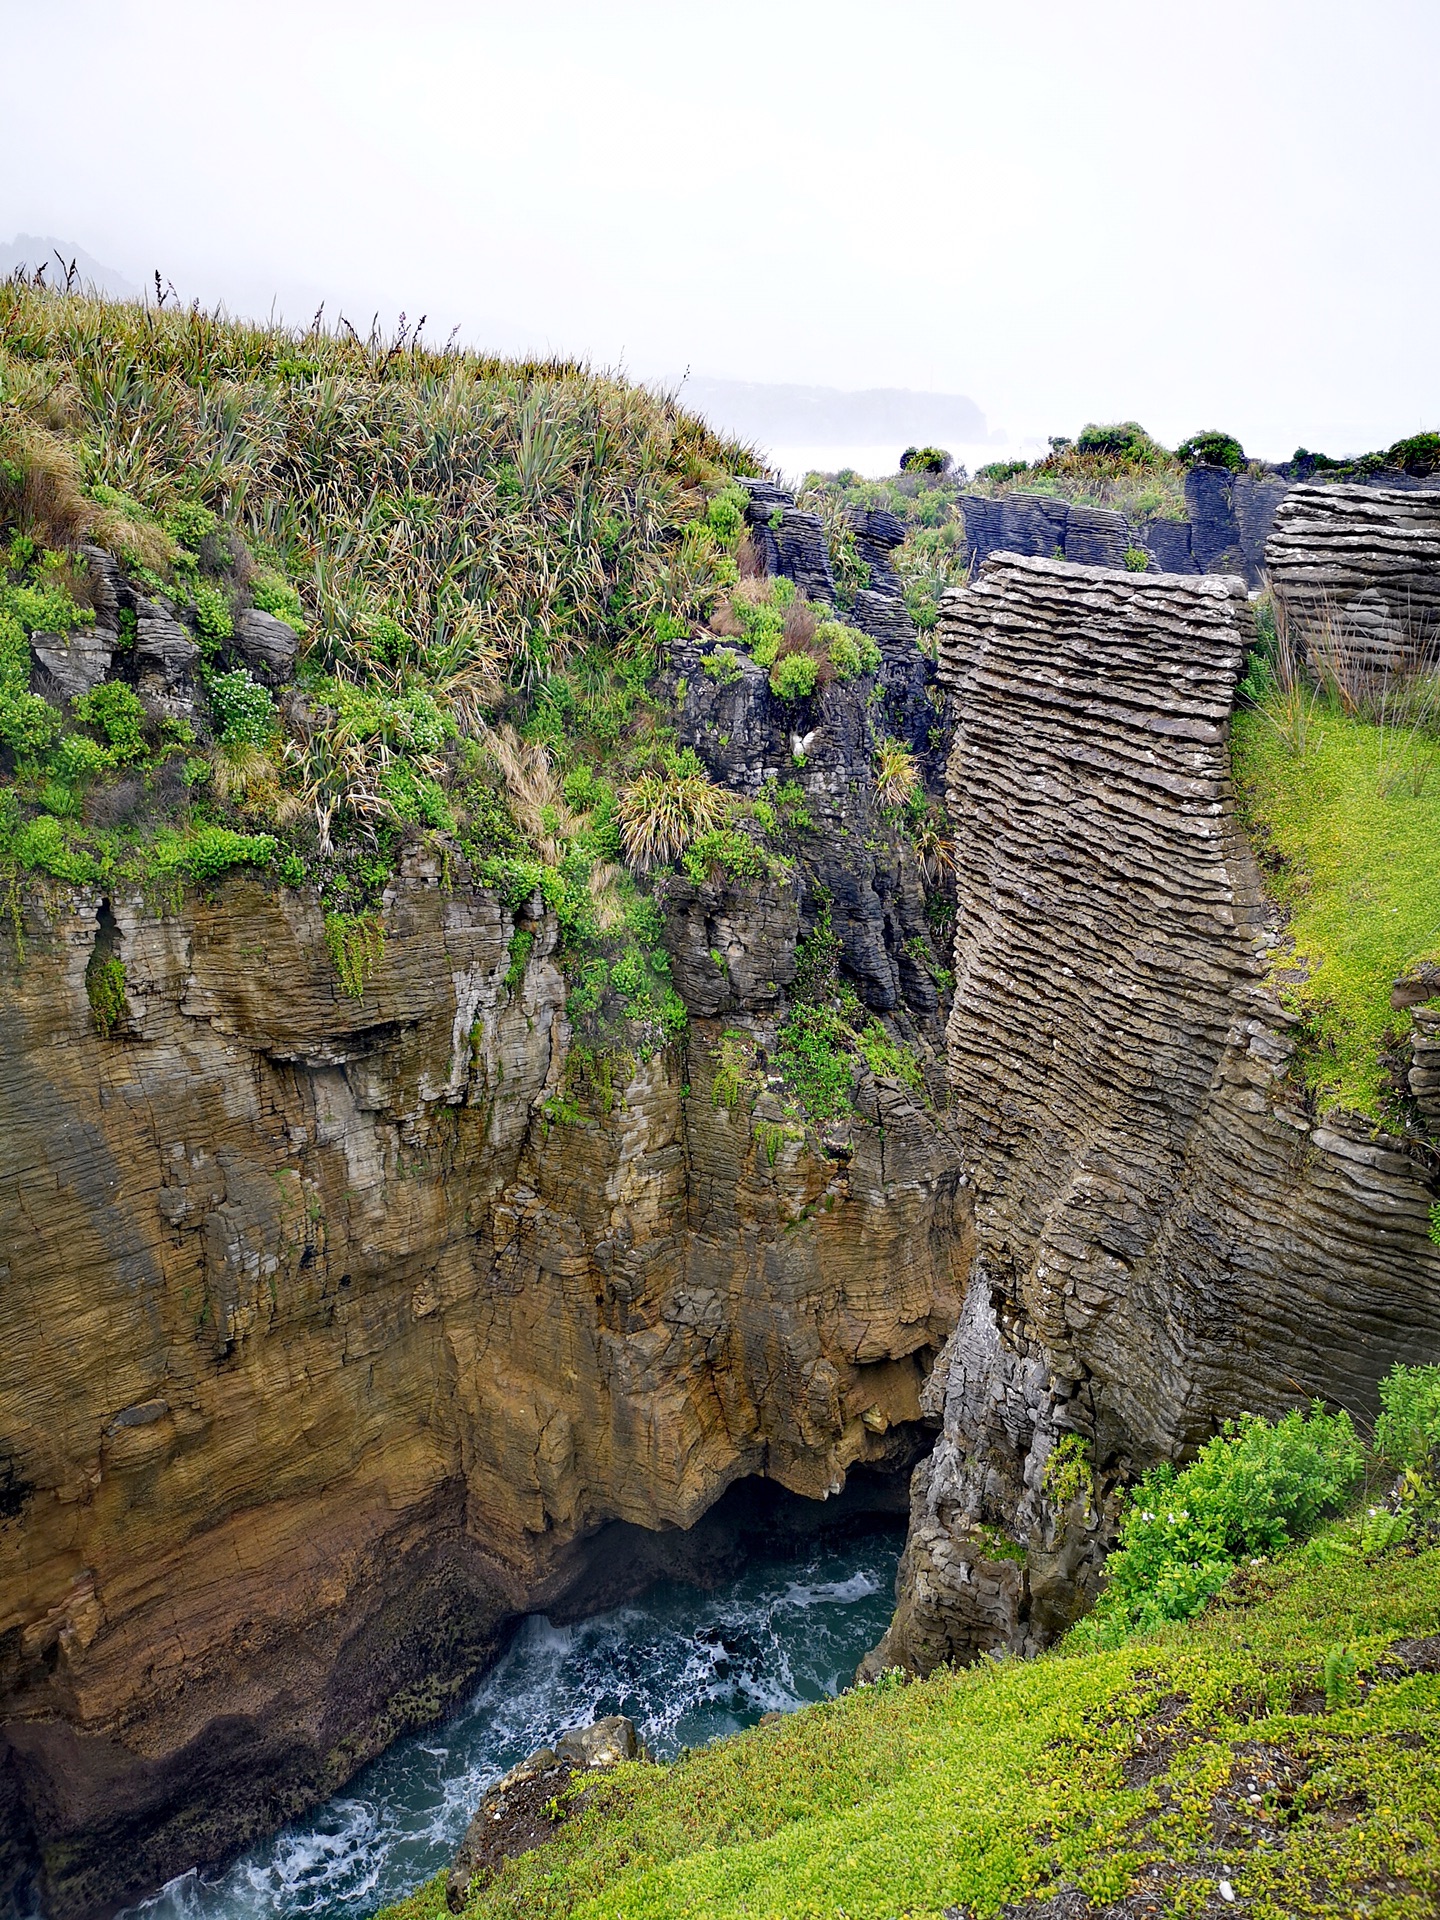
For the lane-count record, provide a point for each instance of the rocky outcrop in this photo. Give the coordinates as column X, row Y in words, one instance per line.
column 267, row 645
column 336, row 1332
column 1356, row 573
column 1162, row 1231
column 1226, row 529
column 519, row 1812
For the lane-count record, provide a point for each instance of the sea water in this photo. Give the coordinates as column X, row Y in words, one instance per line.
column 687, row 1666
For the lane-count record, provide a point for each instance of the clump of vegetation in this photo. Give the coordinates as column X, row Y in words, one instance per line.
column 1212, row 449
column 925, row 460
column 357, row 946
column 1407, row 1434
column 667, row 809
column 485, row 562
column 1341, row 789
column 1271, row 1753
column 1254, row 1489
column 105, row 988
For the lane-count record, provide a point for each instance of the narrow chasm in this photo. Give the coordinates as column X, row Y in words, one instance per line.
column 764, row 1607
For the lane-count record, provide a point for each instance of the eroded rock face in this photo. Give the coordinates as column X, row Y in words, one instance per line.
column 1356, row 571
column 325, row 1350
column 1164, row 1232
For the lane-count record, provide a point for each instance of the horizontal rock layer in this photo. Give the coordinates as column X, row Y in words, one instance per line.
column 1356, row 575
column 1164, row 1234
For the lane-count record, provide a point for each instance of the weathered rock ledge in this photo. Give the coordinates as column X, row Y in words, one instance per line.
column 1164, row 1233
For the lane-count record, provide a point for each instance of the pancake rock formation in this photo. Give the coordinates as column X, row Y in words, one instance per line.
column 1163, row 1231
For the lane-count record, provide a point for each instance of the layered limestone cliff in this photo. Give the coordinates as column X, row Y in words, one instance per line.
column 1165, row 1233
column 337, row 1332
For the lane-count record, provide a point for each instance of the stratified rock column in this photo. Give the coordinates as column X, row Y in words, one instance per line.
column 1164, row 1233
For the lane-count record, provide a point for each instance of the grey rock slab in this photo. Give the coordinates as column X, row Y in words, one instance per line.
column 67, row 664
column 1163, row 1234
column 267, row 643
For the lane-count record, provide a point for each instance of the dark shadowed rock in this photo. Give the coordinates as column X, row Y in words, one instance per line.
column 788, row 541
column 167, row 661
column 521, row 1811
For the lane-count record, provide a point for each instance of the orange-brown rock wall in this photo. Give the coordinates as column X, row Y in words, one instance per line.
column 325, row 1347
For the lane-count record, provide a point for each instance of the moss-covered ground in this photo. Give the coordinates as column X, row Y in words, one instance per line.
column 1201, row 1760
column 1349, row 813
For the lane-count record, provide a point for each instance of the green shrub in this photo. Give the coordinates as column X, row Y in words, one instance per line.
column 44, row 607
column 1253, row 1489
column 1407, row 1434
column 78, row 758
column 925, row 460
column 243, row 708
column 793, row 676
column 1122, row 439
column 105, row 989
column 42, row 846
column 1212, row 449
column 733, row 851
column 724, row 665
column 27, row 723
column 212, row 613
column 999, row 471
column 725, row 514
column 850, row 651
column 190, row 523
column 1420, row 454
column 272, row 593
column 207, row 853
column 813, row 1052
column 115, row 712
column 889, row 1059
column 1136, row 560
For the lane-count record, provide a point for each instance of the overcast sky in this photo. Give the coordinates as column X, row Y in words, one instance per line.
column 1218, row 214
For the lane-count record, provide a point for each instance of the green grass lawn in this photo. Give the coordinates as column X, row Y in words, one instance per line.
column 1353, row 812
column 1109, row 1771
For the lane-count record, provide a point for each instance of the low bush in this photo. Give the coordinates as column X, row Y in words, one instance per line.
column 1407, row 1434
column 1254, row 1489
column 666, row 809
column 1212, row 449
column 794, row 676
column 925, row 460
column 814, row 1052
column 243, row 708
column 897, row 774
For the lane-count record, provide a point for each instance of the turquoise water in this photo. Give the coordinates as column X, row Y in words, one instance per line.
column 687, row 1666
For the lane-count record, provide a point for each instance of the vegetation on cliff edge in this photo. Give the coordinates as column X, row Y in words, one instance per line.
column 1345, row 805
